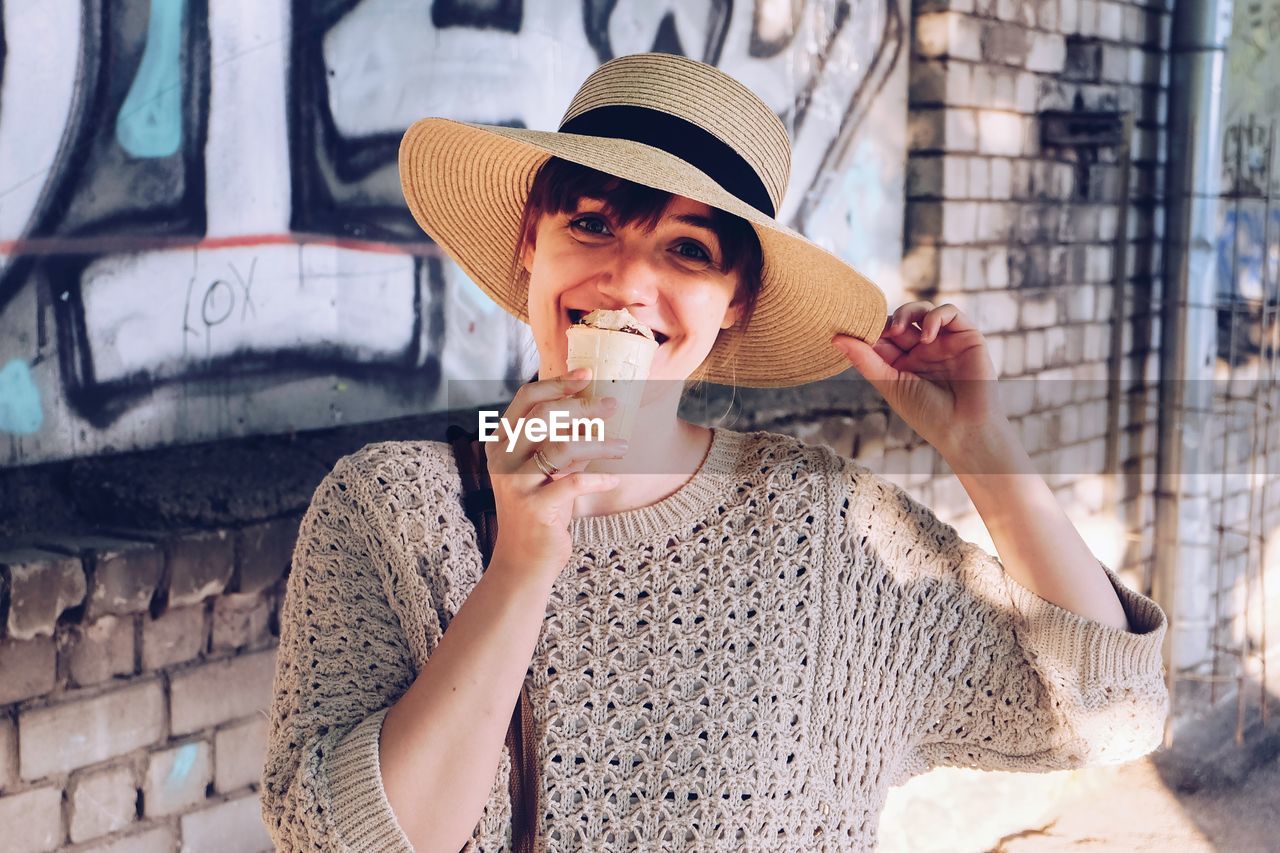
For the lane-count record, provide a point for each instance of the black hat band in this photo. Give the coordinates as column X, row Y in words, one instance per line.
column 686, row 140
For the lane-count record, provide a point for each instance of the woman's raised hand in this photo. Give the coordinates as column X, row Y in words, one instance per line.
column 534, row 510
column 933, row 367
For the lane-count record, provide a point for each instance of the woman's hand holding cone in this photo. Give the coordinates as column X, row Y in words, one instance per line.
column 534, row 510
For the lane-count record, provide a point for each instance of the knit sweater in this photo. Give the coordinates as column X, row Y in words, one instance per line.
column 747, row 664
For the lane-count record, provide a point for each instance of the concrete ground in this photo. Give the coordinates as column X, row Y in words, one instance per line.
column 1203, row 793
column 1123, row 809
column 1129, row 808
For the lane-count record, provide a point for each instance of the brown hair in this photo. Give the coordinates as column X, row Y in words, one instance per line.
column 559, row 185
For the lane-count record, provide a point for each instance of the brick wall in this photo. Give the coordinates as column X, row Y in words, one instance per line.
column 137, row 671
column 1022, row 236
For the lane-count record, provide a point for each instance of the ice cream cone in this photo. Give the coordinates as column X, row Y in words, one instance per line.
column 619, row 363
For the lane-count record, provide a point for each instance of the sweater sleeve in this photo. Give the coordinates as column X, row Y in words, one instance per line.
column 1004, row 679
column 342, row 662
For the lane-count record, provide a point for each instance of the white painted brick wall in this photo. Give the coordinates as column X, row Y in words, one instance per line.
column 1001, row 179
column 959, row 85
column 959, row 221
column 995, row 222
column 232, row 825
column 996, row 269
column 32, row 821
column 995, row 349
column 1002, row 87
column 897, row 465
column 1069, row 424
column 101, row 649
column 1029, row 432
column 955, row 173
column 964, row 37
column 239, row 752
column 177, row 636
column 221, row 692
column 1080, row 303
column 1034, row 351
column 974, row 270
column 1068, row 15
column 960, row 132
column 177, row 778
column 1014, row 346
column 1097, row 339
column 919, row 462
column 1093, row 421
column 1087, row 24
column 997, row 311
column 1055, row 345
column 932, row 34
column 1048, row 53
column 158, row 839
column 952, row 273
column 77, row 733
column 1110, row 20
column 1046, row 15
column 1039, row 309
column 102, row 802
column 979, row 174
column 1000, row 134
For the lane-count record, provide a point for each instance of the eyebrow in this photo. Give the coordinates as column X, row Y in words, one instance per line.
column 697, row 221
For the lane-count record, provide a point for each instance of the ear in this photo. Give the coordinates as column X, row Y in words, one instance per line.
column 528, row 248
column 731, row 315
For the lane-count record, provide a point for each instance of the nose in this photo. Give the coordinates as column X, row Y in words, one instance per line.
column 632, row 279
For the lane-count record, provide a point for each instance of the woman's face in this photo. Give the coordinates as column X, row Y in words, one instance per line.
column 669, row 279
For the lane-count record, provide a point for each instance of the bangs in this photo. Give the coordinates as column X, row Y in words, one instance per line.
column 565, row 184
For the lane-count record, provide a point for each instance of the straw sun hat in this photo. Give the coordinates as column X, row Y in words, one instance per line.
column 674, row 124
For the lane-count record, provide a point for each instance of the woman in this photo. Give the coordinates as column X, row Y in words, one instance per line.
column 739, row 640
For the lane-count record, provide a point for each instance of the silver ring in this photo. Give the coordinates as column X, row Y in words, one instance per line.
column 544, row 464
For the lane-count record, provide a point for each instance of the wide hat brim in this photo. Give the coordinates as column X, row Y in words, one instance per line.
column 466, row 186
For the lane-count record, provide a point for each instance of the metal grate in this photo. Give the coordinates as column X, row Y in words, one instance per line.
column 1246, row 397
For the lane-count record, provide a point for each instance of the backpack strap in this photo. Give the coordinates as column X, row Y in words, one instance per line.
column 477, row 500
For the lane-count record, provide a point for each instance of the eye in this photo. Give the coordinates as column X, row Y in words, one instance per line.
column 693, row 251
column 588, row 225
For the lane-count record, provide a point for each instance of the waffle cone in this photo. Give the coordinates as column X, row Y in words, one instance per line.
column 619, row 363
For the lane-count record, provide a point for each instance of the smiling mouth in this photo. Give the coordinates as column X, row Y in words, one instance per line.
column 576, row 314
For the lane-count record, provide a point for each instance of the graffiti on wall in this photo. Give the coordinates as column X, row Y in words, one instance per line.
column 1248, row 244
column 201, row 228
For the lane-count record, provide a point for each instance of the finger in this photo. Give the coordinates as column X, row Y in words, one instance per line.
column 868, row 361
column 571, row 456
column 580, row 483
column 544, row 390
column 904, row 337
column 933, row 322
column 888, row 350
column 959, row 321
column 951, row 318
column 907, row 313
column 573, row 407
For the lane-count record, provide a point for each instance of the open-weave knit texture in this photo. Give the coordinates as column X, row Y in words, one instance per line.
column 748, row 664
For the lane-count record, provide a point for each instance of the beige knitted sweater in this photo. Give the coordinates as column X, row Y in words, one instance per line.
column 748, row 664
